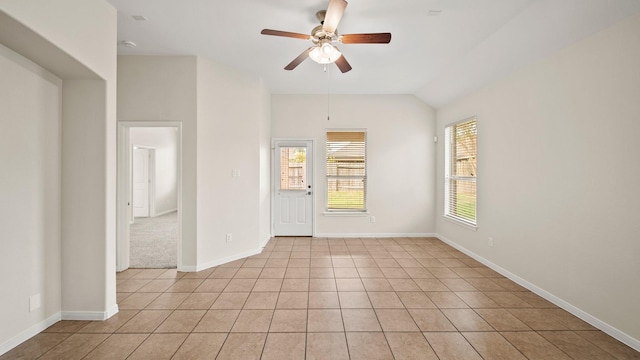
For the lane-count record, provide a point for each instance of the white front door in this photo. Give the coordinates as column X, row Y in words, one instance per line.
column 140, row 182
column 293, row 188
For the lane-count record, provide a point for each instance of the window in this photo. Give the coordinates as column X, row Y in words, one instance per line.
column 460, row 171
column 293, row 168
column 346, row 171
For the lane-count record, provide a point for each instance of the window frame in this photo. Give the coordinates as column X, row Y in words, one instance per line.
column 346, row 211
column 449, row 145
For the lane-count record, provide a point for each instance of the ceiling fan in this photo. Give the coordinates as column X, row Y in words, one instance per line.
column 324, row 35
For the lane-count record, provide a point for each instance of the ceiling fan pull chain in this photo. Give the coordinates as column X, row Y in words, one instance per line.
column 326, row 69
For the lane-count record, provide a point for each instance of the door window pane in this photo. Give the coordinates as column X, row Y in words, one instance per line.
column 293, row 168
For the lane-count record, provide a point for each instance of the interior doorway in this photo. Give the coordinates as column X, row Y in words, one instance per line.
column 149, row 195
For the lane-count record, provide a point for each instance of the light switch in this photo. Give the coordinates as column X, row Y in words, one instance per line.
column 235, row 172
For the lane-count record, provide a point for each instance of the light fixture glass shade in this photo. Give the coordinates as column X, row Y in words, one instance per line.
column 325, row 53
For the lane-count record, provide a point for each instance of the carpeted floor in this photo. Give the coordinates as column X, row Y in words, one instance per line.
column 153, row 242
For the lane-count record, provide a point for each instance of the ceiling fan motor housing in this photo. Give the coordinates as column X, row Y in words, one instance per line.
column 318, row 34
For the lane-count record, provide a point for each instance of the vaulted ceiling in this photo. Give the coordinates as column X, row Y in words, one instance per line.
column 440, row 51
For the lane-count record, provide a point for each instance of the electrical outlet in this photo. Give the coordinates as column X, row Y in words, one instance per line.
column 229, row 238
column 372, row 219
column 34, row 302
column 490, row 241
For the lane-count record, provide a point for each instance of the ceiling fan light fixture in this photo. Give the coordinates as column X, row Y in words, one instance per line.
column 325, row 53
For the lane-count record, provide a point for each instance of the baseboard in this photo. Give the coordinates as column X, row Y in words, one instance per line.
column 186, row 268
column 112, row 311
column 592, row 320
column 29, row 333
column 90, row 315
column 265, row 241
column 221, row 261
column 373, row 235
column 164, row 212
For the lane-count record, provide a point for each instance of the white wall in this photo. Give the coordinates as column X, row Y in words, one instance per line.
column 163, row 88
column 230, row 123
column 400, row 158
column 30, row 199
column 225, row 122
column 558, row 176
column 80, row 28
column 76, row 41
column 84, row 229
column 265, row 166
column 164, row 140
column 83, row 35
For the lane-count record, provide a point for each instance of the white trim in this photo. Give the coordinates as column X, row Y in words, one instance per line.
column 472, row 117
column 90, row 315
column 29, row 333
column 374, row 235
column 224, row 260
column 339, row 212
column 187, row 268
column 326, row 130
column 448, row 177
column 165, row 212
column 460, row 222
column 345, row 213
column 112, row 311
column 592, row 320
column 123, row 203
column 264, row 242
column 123, row 189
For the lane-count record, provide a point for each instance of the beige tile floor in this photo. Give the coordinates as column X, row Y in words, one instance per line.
column 314, row 298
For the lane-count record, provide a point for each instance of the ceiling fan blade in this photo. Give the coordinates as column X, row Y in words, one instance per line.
column 343, row 64
column 333, row 15
column 297, row 61
column 376, row 38
column 285, row 34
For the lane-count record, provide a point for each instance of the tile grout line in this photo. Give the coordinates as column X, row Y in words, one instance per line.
column 344, row 248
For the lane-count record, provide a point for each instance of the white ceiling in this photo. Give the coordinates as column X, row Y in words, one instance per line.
column 438, row 58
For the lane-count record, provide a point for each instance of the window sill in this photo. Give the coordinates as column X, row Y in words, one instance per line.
column 345, row 213
column 461, row 223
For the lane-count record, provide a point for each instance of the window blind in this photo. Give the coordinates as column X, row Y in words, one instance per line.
column 461, row 170
column 346, row 170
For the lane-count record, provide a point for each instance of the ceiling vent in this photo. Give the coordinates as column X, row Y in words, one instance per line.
column 139, row 17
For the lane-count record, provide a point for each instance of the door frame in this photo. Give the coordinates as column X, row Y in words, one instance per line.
column 275, row 180
column 124, row 210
